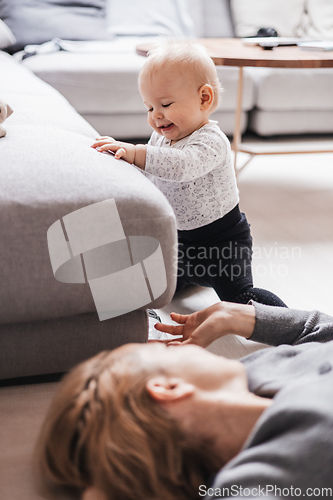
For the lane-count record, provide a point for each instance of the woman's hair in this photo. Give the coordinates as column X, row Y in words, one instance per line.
column 184, row 57
column 104, row 430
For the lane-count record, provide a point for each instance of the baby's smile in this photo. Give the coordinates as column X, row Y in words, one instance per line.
column 166, row 128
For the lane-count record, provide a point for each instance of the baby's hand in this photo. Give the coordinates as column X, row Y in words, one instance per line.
column 123, row 150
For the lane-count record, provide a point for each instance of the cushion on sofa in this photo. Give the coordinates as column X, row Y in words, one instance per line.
column 41, row 20
column 7, row 37
column 319, row 21
column 268, row 123
column 289, row 89
column 217, row 19
column 113, row 76
column 148, row 17
column 285, row 16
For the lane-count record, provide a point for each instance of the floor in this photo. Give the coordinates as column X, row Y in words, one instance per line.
column 289, row 202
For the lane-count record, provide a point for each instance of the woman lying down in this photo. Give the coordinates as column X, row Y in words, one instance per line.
column 150, row 421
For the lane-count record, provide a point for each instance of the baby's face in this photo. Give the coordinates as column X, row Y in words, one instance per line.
column 174, row 105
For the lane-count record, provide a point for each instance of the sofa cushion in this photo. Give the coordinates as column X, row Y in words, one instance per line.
column 319, row 22
column 34, row 102
column 94, row 82
column 148, row 17
column 267, row 123
column 7, row 37
column 217, row 19
column 285, row 16
column 293, row 89
column 41, row 20
column 106, row 82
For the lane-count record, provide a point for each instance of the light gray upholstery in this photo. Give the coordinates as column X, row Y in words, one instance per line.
column 292, row 101
column 100, row 78
column 268, row 123
column 40, row 21
column 54, row 346
column 48, row 170
column 103, row 87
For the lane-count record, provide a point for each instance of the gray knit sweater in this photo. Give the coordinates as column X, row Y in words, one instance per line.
column 290, row 451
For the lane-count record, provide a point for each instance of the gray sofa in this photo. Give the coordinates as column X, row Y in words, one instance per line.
column 48, row 170
column 100, row 78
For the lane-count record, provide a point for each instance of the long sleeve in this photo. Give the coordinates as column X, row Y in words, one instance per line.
column 202, row 154
column 196, row 175
column 290, row 451
column 279, row 325
column 291, row 446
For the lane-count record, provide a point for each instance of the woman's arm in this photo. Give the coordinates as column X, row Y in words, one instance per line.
column 258, row 322
column 279, row 325
column 291, row 446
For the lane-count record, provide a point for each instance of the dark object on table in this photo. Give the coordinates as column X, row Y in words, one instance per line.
column 266, row 32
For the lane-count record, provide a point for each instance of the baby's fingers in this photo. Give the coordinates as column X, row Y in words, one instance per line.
column 103, row 140
column 108, row 147
column 121, row 152
column 105, row 137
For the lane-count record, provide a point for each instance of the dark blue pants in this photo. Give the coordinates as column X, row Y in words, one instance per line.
column 219, row 255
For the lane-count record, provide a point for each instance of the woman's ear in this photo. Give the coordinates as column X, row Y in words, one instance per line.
column 206, row 96
column 167, row 390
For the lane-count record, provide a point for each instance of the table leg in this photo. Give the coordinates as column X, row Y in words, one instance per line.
column 237, row 129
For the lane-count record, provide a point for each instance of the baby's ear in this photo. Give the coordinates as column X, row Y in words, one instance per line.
column 206, row 96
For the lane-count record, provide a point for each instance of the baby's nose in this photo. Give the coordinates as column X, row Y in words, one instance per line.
column 157, row 114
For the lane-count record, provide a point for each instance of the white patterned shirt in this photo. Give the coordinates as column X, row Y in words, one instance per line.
column 195, row 174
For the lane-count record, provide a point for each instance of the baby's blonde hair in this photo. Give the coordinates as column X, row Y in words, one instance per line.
column 104, row 430
column 186, row 57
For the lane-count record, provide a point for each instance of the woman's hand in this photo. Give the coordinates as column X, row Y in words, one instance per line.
column 206, row 326
column 133, row 154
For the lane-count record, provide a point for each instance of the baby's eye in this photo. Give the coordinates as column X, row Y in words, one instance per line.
column 150, row 110
column 166, row 105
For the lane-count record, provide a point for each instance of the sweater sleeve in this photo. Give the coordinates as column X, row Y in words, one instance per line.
column 280, row 325
column 196, row 159
column 290, row 446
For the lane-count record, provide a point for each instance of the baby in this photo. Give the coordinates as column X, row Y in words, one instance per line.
column 189, row 159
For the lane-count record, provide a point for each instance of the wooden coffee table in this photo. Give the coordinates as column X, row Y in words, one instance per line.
column 233, row 52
